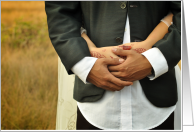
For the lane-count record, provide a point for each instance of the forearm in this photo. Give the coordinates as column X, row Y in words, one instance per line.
column 103, row 52
column 157, row 34
column 159, row 31
column 90, row 44
column 64, row 22
column 170, row 45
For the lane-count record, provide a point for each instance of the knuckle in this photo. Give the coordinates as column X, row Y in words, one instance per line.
column 102, row 60
column 116, row 60
column 123, row 75
column 105, row 78
column 104, row 84
column 126, row 68
column 120, row 84
column 122, row 69
column 111, row 87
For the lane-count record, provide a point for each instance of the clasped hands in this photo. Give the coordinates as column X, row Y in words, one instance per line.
column 114, row 73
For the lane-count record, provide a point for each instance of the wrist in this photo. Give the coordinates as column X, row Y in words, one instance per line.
column 148, row 66
column 93, row 48
column 146, row 44
column 149, row 42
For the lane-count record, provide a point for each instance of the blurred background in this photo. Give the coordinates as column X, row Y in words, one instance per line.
column 28, row 68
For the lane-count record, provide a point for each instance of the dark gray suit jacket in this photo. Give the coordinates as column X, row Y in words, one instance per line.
column 105, row 25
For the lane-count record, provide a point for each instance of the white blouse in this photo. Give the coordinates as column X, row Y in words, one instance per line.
column 127, row 109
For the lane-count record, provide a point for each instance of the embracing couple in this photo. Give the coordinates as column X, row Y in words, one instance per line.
column 124, row 55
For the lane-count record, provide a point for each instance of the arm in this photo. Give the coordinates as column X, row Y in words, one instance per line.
column 103, row 52
column 137, row 67
column 64, row 23
column 158, row 33
column 170, row 45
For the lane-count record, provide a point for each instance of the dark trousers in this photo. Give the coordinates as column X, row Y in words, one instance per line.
column 83, row 124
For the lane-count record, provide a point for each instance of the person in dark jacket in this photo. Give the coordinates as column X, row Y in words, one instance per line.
column 105, row 23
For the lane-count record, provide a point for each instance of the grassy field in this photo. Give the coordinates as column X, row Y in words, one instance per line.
column 28, row 68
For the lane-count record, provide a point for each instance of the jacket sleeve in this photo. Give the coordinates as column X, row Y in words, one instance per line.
column 170, row 45
column 64, row 20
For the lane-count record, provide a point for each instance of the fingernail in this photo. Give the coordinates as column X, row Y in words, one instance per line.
column 114, row 49
column 126, row 47
column 121, row 60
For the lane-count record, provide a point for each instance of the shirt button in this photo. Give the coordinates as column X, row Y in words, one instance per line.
column 119, row 40
column 133, row 5
column 123, row 5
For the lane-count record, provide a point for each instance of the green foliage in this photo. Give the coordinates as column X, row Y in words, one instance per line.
column 24, row 34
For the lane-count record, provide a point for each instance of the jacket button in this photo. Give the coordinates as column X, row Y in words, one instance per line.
column 123, row 5
column 119, row 40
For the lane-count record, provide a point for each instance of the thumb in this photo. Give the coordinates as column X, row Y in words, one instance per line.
column 113, row 61
column 119, row 51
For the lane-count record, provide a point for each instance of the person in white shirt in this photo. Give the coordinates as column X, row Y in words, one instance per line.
column 131, row 97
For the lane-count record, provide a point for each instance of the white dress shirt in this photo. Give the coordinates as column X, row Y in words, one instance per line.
column 127, row 109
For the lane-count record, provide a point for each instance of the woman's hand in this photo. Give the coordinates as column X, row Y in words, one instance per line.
column 106, row 52
column 139, row 47
column 103, row 52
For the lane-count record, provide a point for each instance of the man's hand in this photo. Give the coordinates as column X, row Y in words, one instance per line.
column 135, row 67
column 101, row 77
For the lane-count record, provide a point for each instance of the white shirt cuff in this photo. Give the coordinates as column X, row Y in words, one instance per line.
column 83, row 67
column 158, row 62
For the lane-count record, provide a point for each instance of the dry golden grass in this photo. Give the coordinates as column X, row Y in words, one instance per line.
column 28, row 68
column 28, row 10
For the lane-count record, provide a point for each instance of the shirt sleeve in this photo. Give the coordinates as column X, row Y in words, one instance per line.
column 83, row 67
column 158, row 62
